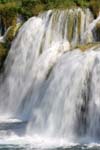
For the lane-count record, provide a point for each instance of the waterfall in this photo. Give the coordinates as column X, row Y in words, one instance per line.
column 48, row 82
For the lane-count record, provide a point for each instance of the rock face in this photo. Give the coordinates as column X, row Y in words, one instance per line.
column 96, row 31
column 7, row 21
column 6, row 41
column 11, row 33
column 3, row 53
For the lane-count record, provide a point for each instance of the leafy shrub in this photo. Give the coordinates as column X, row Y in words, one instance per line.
column 95, row 7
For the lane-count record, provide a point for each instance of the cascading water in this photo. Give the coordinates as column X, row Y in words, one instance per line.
column 47, row 85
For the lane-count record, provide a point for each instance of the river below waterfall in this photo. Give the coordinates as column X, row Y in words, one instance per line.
column 39, row 143
column 31, row 147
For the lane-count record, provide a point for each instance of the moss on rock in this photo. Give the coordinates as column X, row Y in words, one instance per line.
column 11, row 34
column 3, row 53
column 85, row 47
column 2, row 50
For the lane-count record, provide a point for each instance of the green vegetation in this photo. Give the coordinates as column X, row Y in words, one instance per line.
column 28, row 8
column 95, row 7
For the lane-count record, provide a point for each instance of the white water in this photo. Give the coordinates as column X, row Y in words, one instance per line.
column 53, row 89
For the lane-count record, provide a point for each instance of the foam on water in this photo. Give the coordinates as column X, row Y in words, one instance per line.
column 37, row 142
